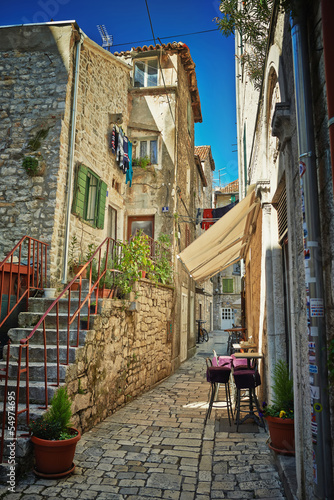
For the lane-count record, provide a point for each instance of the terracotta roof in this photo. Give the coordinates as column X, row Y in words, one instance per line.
column 203, row 152
column 232, row 187
column 187, row 62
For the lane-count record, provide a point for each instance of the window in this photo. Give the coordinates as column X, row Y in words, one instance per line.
column 148, row 148
column 89, row 197
column 112, row 223
column 228, row 285
column 146, row 73
column 144, row 223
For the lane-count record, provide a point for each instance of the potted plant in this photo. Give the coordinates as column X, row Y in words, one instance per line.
column 135, row 258
column 280, row 414
column 83, row 322
column 107, row 282
column 163, row 270
column 53, row 439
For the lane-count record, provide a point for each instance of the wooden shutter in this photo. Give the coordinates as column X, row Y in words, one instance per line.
column 78, row 206
column 101, row 205
column 228, row 285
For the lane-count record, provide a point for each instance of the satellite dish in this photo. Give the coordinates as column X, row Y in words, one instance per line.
column 107, row 40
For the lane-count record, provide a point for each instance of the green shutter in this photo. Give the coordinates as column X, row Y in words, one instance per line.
column 228, row 285
column 78, row 206
column 101, row 205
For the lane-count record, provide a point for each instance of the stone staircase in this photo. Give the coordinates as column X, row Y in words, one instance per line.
column 27, row 320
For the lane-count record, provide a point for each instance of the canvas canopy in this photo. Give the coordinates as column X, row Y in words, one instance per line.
column 223, row 244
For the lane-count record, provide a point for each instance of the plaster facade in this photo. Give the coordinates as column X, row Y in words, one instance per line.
column 276, row 273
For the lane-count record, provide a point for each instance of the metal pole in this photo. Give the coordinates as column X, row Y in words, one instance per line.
column 319, row 422
column 71, row 160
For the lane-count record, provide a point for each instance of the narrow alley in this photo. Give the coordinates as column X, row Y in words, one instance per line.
column 157, row 447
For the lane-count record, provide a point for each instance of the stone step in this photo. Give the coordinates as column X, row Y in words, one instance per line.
column 35, row 411
column 40, row 305
column 36, row 391
column 29, row 319
column 16, row 334
column 36, row 353
column 36, row 371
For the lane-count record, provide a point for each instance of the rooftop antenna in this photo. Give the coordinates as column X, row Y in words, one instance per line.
column 107, row 40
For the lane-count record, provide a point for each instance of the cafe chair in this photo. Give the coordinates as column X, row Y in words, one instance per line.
column 218, row 375
column 246, row 380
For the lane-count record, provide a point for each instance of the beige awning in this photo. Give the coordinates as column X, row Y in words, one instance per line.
column 223, row 244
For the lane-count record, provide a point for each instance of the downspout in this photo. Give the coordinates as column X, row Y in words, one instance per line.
column 327, row 14
column 319, row 423
column 71, row 157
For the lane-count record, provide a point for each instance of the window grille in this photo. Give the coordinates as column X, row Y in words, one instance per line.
column 282, row 215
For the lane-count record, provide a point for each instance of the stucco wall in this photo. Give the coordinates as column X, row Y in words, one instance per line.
column 126, row 354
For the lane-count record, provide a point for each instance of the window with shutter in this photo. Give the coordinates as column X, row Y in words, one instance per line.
column 228, row 285
column 89, row 198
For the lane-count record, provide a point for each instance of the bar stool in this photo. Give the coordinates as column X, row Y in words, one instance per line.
column 246, row 378
column 217, row 375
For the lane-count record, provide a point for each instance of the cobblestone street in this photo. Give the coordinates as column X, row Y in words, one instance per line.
column 157, row 447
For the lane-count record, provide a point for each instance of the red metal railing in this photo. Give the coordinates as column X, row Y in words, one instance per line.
column 22, row 270
column 99, row 260
column 95, row 271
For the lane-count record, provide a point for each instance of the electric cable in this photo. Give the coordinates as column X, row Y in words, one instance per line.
column 165, row 37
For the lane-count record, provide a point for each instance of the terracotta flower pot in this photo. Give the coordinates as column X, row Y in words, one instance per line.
column 55, row 457
column 77, row 269
column 106, row 293
column 282, row 435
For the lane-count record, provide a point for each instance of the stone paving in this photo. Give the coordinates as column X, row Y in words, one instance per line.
column 158, row 448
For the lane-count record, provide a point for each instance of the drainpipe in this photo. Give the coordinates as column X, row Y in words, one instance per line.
column 71, row 157
column 327, row 14
column 320, row 424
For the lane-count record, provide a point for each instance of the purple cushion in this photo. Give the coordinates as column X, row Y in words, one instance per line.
column 225, row 361
column 247, row 379
column 239, row 362
column 218, row 374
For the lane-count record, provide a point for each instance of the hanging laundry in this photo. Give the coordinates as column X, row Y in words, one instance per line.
column 129, row 171
column 125, row 154
column 114, row 137
column 207, row 214
column 119, row 150
column 199, row 216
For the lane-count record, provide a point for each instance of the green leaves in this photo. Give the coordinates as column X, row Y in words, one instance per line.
column 54, row 424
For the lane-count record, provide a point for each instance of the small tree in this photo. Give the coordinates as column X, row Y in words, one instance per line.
column 251, row 18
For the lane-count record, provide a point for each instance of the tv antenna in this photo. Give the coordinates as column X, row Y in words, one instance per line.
column 107, row 40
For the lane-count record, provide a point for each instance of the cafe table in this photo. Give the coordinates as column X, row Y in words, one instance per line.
column 244, row 345
column 249, row 356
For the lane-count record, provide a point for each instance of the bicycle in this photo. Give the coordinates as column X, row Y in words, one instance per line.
column 203, row 335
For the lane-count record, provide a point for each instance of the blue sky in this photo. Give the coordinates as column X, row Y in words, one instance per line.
column 127, row 21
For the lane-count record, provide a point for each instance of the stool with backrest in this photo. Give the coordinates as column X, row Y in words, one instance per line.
column 246, row 379
column 217, row 375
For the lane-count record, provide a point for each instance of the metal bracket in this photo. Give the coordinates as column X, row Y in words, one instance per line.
column 309, row 154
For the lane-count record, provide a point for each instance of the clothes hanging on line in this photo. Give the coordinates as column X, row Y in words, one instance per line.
column 211, row 215
column 129, row 171
column 120, row 150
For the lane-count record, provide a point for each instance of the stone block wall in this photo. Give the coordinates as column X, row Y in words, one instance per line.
column 33, row 85
column 126, row 353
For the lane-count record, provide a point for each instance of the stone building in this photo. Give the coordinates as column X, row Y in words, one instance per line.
column 61, row 95
column 285, row 146
column 227, row 284
column 203, row 200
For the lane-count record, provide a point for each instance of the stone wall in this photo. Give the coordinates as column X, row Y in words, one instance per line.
column 33, row 86
column 125, row 355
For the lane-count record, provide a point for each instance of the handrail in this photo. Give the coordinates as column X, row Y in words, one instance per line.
column 84, row 298
column 31, row 274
